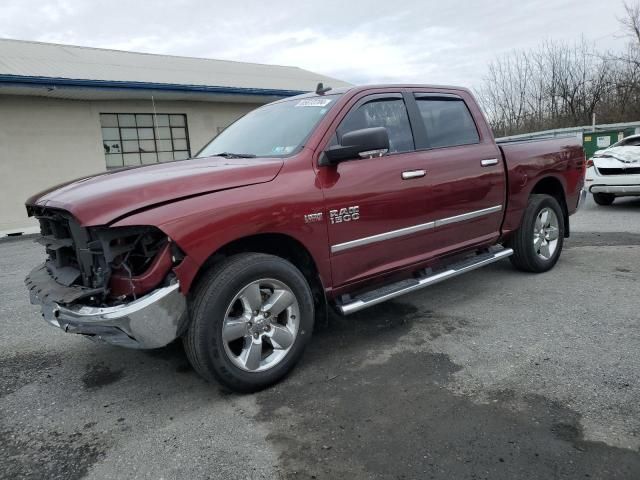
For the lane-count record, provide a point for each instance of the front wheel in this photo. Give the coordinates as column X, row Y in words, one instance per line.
column 603, row 198
column 251, row 318
column 538, row 242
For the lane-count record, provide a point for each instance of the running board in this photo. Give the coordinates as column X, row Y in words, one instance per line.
column 393, row 290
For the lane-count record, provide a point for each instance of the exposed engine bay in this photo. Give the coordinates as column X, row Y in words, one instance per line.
column 102, row 266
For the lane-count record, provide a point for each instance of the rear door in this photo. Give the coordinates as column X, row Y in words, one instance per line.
column 465, row 174
column 375, row 207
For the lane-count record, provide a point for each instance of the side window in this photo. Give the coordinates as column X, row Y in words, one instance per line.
column 390, row 113
column 448, row 122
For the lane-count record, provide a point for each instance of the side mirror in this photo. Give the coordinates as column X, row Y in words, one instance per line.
column 364, row 143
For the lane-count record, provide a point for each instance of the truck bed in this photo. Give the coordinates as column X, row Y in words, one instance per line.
column 560, row 161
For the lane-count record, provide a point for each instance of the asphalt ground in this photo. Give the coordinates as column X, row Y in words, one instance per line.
column 496, row 374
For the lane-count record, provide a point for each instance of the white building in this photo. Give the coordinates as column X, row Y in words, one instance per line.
column 67, row 111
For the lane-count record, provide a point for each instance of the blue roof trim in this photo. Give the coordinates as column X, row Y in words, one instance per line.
column 124, row 85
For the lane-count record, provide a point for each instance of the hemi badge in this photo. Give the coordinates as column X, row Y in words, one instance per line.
column 313, row 217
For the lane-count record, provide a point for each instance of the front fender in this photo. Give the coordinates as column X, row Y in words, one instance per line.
column 202, row 225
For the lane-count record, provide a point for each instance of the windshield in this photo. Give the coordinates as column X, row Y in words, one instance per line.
column 628, row 142
column 275, row 130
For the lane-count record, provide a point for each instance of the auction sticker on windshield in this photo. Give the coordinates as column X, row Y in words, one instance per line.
column 314, row 102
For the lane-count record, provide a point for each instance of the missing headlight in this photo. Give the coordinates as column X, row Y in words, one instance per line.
column 125, row 254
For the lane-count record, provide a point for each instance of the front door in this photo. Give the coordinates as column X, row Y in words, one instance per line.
column 375, row 207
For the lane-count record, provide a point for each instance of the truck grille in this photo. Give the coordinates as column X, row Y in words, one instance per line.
column 619, row 171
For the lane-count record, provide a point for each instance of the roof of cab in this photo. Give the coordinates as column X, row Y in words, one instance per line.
column 361, row 88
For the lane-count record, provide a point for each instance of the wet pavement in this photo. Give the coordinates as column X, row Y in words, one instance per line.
column 495, row 374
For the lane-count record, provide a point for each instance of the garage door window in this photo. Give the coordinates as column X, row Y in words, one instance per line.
column 142, row 138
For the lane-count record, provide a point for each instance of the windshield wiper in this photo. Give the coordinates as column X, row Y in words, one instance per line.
column 234, row 155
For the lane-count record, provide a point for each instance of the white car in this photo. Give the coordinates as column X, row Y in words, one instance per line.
column 615, row 171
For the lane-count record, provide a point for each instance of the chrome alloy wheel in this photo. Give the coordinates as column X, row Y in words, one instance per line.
column 545, row 233
column 261, row 325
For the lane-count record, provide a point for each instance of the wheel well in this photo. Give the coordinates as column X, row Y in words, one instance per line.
column 282, row 246
column 552, row 186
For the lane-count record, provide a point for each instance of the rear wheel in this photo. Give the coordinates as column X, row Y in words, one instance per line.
column 251, row 319
column 603, row 198
column 538, row 242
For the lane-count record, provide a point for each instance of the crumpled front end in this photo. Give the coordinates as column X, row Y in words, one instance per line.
column 625, row 154
column 111, row 284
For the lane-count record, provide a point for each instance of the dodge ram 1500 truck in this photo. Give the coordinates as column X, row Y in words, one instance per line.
column 336, row 199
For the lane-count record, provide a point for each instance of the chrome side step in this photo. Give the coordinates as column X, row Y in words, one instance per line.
column 393, row 290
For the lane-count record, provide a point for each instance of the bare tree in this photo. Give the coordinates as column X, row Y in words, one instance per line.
column 631, row 21
column 562, row 85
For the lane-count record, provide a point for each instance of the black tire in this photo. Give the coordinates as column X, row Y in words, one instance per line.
column 525, row 256
column 604, row 199
column 217, row 288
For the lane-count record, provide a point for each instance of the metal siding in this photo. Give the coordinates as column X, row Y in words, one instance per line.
column 43, row 60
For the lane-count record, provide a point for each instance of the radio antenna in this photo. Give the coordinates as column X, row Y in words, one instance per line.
column 321, row 89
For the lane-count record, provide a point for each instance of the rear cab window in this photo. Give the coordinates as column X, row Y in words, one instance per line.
column 447, row 120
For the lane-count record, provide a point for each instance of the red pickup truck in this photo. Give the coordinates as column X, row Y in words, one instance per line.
column 335, row 199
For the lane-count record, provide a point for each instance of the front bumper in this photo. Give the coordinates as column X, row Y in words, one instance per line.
column 617, row 190
column 618, row 185
column 152, row 321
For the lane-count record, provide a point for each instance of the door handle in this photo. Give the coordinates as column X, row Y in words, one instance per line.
column 409, row 174
column 488, row 162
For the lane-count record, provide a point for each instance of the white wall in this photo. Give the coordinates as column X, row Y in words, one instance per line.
column 46, row 141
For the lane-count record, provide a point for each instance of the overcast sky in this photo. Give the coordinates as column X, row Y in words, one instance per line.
column 423, row 41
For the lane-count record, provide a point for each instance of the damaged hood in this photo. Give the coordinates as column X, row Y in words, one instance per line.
column 626, row 154
column 103, row 198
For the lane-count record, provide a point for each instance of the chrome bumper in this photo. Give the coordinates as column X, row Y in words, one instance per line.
column 581, row 198
column 620, row 190
column 151, row 321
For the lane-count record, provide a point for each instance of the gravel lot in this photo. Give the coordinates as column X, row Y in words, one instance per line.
column 496, row 374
